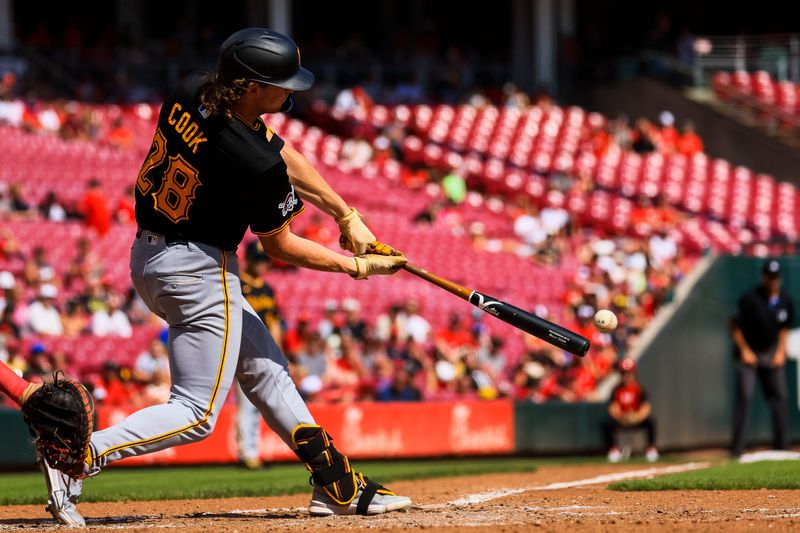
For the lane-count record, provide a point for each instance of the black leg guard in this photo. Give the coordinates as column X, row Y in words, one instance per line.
column 328, row 466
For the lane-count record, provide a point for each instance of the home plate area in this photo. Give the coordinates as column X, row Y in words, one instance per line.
column 554, row 498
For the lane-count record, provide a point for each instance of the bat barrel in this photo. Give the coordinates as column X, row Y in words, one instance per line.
column 537, row 326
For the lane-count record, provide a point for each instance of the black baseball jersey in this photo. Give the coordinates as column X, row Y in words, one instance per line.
column 761, row 318
column 207, row 178
column 262, row 297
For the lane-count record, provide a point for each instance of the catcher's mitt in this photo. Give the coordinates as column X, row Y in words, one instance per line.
column 61, row 417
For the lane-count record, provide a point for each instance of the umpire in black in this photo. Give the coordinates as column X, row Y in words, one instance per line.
column 760, row 326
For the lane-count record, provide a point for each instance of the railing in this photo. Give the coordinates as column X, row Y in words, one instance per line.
column 778, row 54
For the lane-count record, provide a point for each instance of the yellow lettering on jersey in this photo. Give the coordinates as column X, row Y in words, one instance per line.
column 157, row 153
column 182, row 122
column 171, row 117
column 197, row 140
column 269, row 134
column 188, row 129
column 177, row 190
column 189, row 132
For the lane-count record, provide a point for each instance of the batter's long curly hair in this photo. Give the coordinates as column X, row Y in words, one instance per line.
column 220, row 98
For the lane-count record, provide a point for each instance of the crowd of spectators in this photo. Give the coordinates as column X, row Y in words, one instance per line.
column 399, row 356
column 645, row 136
column 341, row 356
column 631, row 274
column 69, row 119
column 41, row 301
column 344, row 356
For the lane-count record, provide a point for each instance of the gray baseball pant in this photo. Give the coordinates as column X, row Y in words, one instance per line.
column 214, row 334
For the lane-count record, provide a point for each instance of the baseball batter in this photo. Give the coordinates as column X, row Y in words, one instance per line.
column 215, row 169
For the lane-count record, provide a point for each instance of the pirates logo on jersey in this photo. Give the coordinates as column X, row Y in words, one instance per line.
column 288, row 205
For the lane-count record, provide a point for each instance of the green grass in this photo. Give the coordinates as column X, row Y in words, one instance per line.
column 128, row 484
column 730, row 476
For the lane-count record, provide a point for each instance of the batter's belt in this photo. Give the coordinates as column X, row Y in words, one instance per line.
column 169, row 239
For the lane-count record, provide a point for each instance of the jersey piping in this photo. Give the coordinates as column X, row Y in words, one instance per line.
column 286, row 223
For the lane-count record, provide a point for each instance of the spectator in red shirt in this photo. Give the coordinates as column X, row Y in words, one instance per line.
column 120, row 135
column 296, row 338
column 95, row 209
column 345, row 373
column 452, row 339
column 690, row 142
column 669, row 134
column 582, row 381
column 110, row 389
column 125, row 211
column 584, row 325
column 318, row 230
column 629, row 408
column 599, row 140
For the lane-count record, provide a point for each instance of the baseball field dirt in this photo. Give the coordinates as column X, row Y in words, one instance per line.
column 554, row 498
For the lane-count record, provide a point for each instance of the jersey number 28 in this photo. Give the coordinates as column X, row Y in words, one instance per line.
column 176, row 192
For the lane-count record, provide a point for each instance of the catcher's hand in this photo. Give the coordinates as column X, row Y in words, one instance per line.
column 355, row 235
column 61, row 418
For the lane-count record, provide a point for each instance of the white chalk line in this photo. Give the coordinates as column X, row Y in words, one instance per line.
column 483, row 497
column 261, row 511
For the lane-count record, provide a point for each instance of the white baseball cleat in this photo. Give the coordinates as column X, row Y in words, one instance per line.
column 63, row 492
column 377, row 500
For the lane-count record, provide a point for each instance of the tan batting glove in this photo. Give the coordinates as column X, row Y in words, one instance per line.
column 356, row 236
column 385, row 261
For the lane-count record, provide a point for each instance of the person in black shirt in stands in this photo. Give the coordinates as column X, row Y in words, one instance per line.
column 759, row 327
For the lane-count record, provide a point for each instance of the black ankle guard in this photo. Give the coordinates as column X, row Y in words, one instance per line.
column 329, row 468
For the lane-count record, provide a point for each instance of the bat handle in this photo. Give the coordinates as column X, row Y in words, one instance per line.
column 454, row 288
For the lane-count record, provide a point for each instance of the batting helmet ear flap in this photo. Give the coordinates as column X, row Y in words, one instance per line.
column 288, row 104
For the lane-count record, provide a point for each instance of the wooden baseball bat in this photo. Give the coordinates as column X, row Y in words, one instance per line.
column 528, row 322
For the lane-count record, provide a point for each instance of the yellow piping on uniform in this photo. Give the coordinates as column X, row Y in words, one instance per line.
column 255, row 126
column 216, row 384
column 300, row 426
column 278, row 230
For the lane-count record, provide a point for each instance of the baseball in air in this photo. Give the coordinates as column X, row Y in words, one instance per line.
column 605, row 320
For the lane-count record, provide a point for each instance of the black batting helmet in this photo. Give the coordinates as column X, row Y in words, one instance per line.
column 265, row 56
